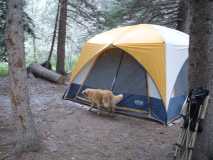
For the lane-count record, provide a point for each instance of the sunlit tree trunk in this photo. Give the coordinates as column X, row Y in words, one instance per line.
column 201, row 68
column 61, row 38
column 27, row 138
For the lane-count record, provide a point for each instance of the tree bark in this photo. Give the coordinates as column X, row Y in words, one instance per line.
column 201, row 69
column 47, row 74
column 183, row 22
column 61, row 38
column 27, row 137
column 54, row 34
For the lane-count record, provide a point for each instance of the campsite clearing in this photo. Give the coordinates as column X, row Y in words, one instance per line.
column 68, row 132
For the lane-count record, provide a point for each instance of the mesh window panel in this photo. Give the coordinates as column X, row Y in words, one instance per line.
column 131, row 77
column 105, row 69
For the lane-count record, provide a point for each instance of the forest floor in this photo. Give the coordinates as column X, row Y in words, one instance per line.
column 69, row 132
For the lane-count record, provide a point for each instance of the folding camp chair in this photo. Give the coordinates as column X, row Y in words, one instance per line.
column 193, row 112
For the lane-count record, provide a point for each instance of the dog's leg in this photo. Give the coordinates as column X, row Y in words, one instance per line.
column 99, row 109
column 91, row 106
column 112, row 110
column 109, row 109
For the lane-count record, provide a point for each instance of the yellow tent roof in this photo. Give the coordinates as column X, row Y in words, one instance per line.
column 142, row 42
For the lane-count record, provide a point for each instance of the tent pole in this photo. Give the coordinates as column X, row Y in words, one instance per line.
column 82, row 84
column 148, row 96
column 116, row 75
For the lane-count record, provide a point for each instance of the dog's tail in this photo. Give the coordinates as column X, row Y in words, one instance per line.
column 117, row 99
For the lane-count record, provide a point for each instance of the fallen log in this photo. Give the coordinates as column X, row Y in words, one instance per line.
column 39, row 71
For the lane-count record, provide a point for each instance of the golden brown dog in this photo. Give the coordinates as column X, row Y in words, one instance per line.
column 102, row 98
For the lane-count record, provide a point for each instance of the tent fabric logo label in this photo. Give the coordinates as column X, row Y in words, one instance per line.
column 138, row 102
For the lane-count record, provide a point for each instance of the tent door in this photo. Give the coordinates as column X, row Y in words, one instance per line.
column 131, row 80
column 104, row 71
column 118, row 71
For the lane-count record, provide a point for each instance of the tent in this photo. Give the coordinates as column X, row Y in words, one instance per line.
column 145, row 62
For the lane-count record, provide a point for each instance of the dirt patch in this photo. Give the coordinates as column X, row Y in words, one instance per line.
column 69, row 132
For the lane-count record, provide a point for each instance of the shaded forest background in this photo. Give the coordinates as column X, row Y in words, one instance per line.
column 85, row 18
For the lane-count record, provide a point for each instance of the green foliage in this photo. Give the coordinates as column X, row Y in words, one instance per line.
column 124, row 12
column 114, row 16
column 29, row 25
column 3, row 69
column 128, row 12
column 28, row 28
column 71, row 62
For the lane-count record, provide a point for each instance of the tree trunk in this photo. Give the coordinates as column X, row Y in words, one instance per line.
column 47, row 64
column 54, row 34
column 61, row 38
column 45, row 73
column 27, row 138
column 201, row 69
column 183, row 22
